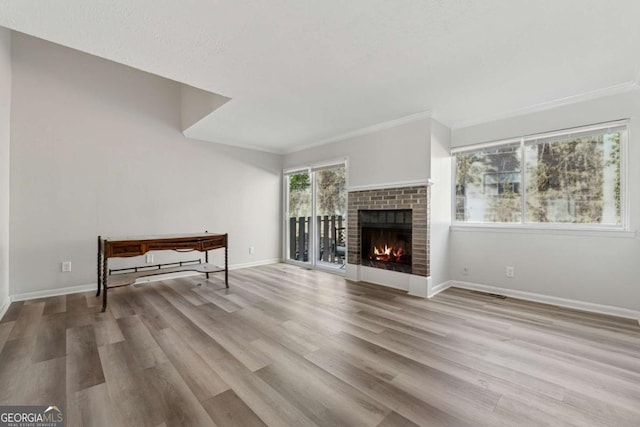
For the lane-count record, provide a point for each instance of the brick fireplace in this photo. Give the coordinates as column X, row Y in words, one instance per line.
column 362, row 206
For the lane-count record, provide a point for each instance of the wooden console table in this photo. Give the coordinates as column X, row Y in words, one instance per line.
column 119, row 247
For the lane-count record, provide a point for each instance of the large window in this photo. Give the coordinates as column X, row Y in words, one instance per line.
column 572, row 178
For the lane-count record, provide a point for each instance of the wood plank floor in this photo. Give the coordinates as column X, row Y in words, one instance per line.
column 285, row 346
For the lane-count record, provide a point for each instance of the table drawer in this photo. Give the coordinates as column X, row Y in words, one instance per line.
column 214, row 243
column 125, row 249
column 160, row 246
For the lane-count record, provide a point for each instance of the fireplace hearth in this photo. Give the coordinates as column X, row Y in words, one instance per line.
column 386, row 239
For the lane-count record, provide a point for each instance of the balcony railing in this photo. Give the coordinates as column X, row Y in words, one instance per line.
column 331, row 237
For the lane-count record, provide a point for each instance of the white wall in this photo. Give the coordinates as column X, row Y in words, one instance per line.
column 96, row 149
column 397, row 154
column 440, row 202
column 594, row 269
column 197, row 104
column 5, row 125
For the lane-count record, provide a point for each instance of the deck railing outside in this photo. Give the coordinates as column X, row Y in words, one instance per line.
column 331, row 237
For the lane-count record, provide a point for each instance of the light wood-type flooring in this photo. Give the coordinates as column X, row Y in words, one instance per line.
column 286, row 346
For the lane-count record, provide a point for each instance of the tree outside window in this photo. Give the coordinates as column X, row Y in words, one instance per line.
column 569, row 178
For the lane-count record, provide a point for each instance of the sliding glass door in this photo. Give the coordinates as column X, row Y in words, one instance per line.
column 299, row 212
column 315, row 212
column 330, row 193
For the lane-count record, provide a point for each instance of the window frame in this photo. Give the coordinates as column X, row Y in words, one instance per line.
column 310, row 169
column 622, row 229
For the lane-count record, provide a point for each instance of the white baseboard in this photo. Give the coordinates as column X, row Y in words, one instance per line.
column 439, row 288
column 93, row 286
column 255, row 263
column 4, row 308
column 54, row 292
column 546, row 299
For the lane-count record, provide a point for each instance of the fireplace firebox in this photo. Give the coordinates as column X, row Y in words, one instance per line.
column 386, row 239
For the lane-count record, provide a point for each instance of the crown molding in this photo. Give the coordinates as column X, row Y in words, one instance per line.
column 193, row 134
column 443, row 120
column 586, row 96
column 189, row 134
column 364, row 131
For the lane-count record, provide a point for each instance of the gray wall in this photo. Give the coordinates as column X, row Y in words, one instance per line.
column 5, row 125
column 595, row 269
column 391, row 155
column 440, row 202
column 96, row 149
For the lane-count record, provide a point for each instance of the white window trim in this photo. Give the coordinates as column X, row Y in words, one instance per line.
column 560, row 230
column 309, row 168
column 604, row 230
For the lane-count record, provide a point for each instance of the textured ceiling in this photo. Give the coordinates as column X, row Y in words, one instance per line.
column 299, row 72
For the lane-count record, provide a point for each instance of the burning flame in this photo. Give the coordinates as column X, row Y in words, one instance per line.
column 388, row 253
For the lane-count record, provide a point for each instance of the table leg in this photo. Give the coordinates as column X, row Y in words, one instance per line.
column 226, row 264
column 99, row 266
column 206, row 259
column 105, row 273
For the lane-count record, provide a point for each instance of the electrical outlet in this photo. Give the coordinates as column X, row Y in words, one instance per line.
column 149, row 258
column 510, row 271
column 66, row 266
column 252, row 250
column 465, row 271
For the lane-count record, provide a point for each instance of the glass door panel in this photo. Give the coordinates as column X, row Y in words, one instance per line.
column 299, row 210
column 330, row 196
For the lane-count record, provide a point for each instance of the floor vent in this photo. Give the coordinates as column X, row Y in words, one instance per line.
column 487, row 294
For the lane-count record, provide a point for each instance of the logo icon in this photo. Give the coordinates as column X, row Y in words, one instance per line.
column 31, row 416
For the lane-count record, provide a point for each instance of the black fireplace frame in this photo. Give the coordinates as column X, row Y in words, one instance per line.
column 398, row 220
